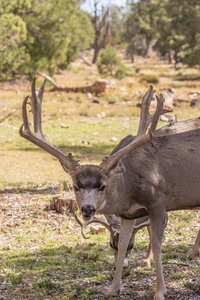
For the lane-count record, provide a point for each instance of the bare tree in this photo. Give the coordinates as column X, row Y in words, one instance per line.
column 101, row 24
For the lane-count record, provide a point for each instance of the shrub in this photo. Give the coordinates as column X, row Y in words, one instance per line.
column 149, row 78
column 120, row 72
column 110, row 64
column 112, row 99
column 137, row 70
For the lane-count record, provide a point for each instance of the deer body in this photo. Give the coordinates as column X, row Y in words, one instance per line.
column 148, row 176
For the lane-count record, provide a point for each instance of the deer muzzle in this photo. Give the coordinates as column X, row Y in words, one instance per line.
column 88, row 211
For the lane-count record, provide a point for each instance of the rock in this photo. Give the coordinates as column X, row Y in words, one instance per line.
column 168, row 117
column 64, row 126
column 114, row 139
column 97, row 229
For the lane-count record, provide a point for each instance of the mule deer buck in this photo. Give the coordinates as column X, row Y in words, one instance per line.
column 147, row 177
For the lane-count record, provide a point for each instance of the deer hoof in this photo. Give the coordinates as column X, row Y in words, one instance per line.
column 113, row 291
column 147, row 263
column 160, row 294
column 194, row 253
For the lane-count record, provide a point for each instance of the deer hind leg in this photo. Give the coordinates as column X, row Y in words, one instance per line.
column 126, row 227
column 129, row 250
column 158, row 221
column 194, row 252
column 149, row 257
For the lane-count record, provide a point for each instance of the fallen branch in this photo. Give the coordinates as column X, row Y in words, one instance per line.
column 97, row 87
column 85, row 60
column 56, row 85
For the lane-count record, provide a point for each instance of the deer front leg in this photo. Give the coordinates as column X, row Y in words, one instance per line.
column 158, row 221
column 194, row 252
column 126, row 227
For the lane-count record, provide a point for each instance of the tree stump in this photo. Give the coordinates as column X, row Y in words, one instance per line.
column 62, row 205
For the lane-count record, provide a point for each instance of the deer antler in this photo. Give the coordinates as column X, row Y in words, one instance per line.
column 145, row 120
column 138, row 227
column 69, row 164
column 94, row 220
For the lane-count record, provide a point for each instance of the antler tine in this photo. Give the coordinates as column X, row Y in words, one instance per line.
column 141, row 138
column 94, row 220
column 159, row 111
column 25, row 118
column 36, row 101
column 145, row 116
column 82, row 226
column 70, row 164
column 138, row 227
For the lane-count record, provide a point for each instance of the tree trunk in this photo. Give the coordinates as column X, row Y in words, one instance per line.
column 148, row 43
column 132, row 58
column 176, row 56
column 169, row 56
column 96, row 53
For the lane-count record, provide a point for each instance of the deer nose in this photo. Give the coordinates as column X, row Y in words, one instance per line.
column 88, row 211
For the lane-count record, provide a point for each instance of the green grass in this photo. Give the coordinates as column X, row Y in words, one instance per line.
column 194, row 286
column 178, row 275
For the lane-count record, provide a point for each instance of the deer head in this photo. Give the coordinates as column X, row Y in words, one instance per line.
column 90, row 182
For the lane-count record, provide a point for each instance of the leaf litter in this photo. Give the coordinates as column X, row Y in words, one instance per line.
column 43, row 256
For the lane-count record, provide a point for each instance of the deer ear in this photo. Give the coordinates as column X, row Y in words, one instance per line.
column 118, row 170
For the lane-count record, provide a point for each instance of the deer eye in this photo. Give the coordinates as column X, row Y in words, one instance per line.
column 130, row 246
column 76, row 188
column 102, row 187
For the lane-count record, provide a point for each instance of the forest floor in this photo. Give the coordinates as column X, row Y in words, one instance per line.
column 43, row 256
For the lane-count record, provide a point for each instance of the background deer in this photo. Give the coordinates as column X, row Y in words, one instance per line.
column 148, row 176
